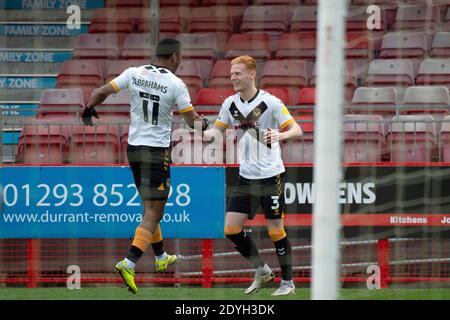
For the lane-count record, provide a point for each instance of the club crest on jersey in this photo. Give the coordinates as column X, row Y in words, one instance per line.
column 256, row 113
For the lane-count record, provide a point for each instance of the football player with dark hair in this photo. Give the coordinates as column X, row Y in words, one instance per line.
column 154, row 91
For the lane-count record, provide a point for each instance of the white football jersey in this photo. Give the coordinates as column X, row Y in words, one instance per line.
column 154, row 91
column 251, row 119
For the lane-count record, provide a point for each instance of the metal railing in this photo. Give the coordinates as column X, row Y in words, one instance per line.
column 366, row 138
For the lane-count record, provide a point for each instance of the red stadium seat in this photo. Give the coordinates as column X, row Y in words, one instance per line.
column 83, row 74
column 352, row 73
column 213, row 96
column 209, row 100
column 280, row 93
column 43, row 142
column 96, row 46
column 256, row 45
column 445, row 139
column 116, row 105
column 390, row 72
column 364, row 137
column 171, row 20
column 429, row 100
column 417, row 17
column 234, row 10
column 94, row 144
column 80, row 73
column 302, row 45
column 434, row 72
column 271, row 19
column 357, row 46
column 137, row 46
column 297, row 46
column 60, row 103
column 119, row 20
column 201, row 47
column 362, row 45
column 217, row 20
column 412, row 138
column 307, row 96
column 404, row 45
column 440, row 47
column 301, row 150
column 115, row 68
column 307, row 100
column 379, row 100
column 304, row 19
column 291, row 74
column 220, row 74
column 189, row 72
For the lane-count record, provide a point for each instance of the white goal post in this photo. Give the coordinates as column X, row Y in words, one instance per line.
column 327, row 149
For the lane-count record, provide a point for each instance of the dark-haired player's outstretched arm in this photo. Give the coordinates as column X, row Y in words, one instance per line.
column 192, row 117
column 98, row 96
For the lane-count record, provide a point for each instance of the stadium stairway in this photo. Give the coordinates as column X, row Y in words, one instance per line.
column 33, row 45
column 34, row 59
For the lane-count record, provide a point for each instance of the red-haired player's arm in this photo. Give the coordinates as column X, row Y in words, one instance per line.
column 290, row 132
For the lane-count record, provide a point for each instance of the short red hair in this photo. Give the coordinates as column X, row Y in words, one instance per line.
column 249, row 62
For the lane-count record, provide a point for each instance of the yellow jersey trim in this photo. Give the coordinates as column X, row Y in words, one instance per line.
column 187, row 109
column 116, row 88
column 221, row 124
column 284, row 125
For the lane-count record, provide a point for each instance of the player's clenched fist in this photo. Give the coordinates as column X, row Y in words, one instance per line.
column 87, row 115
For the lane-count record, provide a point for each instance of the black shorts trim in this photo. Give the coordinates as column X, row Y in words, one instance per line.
column 151, row 171
column 250, row 195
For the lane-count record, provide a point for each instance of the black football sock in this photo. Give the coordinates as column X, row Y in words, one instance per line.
column 134, row 254
column 284, row 254
column 247, row 248
column 158, row 248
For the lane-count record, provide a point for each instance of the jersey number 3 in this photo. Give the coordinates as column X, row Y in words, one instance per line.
column 155, row 106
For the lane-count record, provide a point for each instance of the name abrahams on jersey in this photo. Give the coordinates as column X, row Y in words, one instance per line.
column 154, row 91
column 252, row 118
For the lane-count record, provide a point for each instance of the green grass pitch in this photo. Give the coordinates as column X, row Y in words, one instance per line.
column 195, row 293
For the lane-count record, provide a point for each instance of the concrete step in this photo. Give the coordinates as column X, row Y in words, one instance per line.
column 37, row 42
column 30, row 68
column 50, row 16
column 20, row 95
column 9, row 153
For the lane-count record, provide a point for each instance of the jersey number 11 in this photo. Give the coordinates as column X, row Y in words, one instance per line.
column 155, row 106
